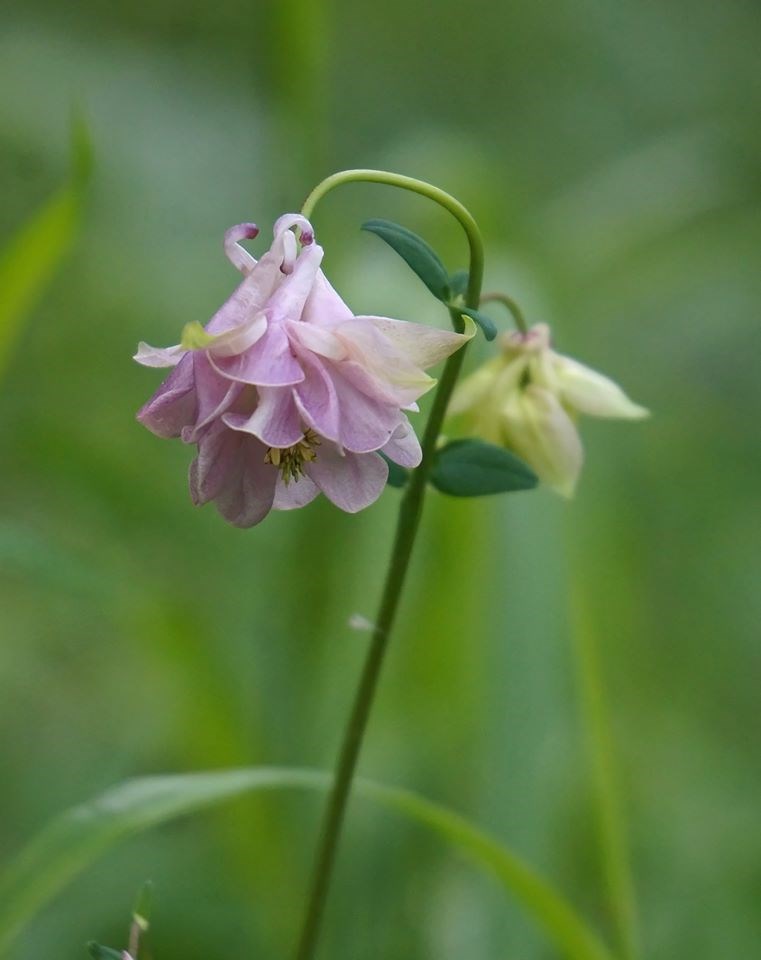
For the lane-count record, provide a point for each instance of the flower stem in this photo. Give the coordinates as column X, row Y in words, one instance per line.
column 408, row 521
column 512, row 306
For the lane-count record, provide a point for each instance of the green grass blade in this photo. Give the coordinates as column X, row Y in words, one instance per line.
column 70, row 843
column 30, row 259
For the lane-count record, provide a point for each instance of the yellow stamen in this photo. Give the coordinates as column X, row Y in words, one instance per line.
column 291, row 460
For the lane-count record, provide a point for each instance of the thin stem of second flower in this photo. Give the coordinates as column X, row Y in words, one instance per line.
column 410, row 512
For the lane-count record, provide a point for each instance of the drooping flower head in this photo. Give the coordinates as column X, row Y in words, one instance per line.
column 285, row 392
column 528, row 399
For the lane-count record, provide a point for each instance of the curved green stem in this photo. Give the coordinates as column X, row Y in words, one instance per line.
column 406, row 529
column 446, row 200
column 512, row 306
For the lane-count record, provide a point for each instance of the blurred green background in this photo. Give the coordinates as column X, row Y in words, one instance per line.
column 609, row 148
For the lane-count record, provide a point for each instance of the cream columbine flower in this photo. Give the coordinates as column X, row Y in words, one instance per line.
column 527, row 399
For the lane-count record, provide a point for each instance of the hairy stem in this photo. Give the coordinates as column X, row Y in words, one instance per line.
column 406, row 529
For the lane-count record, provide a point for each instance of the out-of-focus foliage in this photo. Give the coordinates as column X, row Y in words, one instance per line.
column 610, row 152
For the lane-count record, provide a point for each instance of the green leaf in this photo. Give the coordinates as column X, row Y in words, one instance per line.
column 141, row 912
column 474, row 468
column 77, row 838
column 397, row 476
column 98, row 952
column 458, row 283
column 31, row 258
column 487, row 325
column 416, row 253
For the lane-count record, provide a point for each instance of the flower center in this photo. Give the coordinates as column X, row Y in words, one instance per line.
column 290, row 460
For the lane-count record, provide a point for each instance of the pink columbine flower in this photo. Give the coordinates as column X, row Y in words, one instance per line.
column 285, row 392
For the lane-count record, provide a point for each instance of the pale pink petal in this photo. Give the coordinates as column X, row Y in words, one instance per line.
column 215, row 395
column 316, row 339
column 239, row 339
column 324, row 307
column 365, row 424
column 230, row 470
column 298, row 493
column 250, row 297
column 316, row 398
column 287, row 302
column 289, row 220
column 399, row 379
column 241, row 259
column 150, row 356
column 269, row 363
column 352, row 482
column 174, row 404
column 404, row 447
column 422, row 345
column 276, row 421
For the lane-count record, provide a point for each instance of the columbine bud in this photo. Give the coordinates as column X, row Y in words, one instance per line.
column 527, row 399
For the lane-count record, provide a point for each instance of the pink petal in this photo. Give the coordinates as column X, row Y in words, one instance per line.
column 316, row 339
column 269, row 363
column 173, row 406
column 422, row 345
column 324, row 307
column 404, row 447
column 365, row 423
column 316, row 398
column 239, row 339
column 150, row 356
column 240, row 258
column 230, row 470
column 396, row 376
column 350, row 481
column 250, row 296
column 287, row 302
column 214, row 395
column 276, row 421
column 298, row 493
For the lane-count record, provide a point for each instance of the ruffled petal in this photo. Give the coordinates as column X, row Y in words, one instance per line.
column 275, row 421
column 365, row 424
column 591, row 392
column 317, row 399
column 404, row 447
column 298, row 493
column 269, row 363
column 230, row 470
column 324, row 307
column 316, row 339
column 352, row 482
column 399, row 379
column 422, row 345
column 214, row 396
column 239, row 339
column 150, row 356
column 539, row 430
column 287, row 302
column 240, row 258
column 173, row 406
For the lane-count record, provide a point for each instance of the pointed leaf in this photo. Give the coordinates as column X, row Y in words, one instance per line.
column 416, row 253
column 31, row 258
column 141, row 912
column 80, row 836
column 458, row 283
column 487, row 325
column 98, row 952
column 474, row 468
